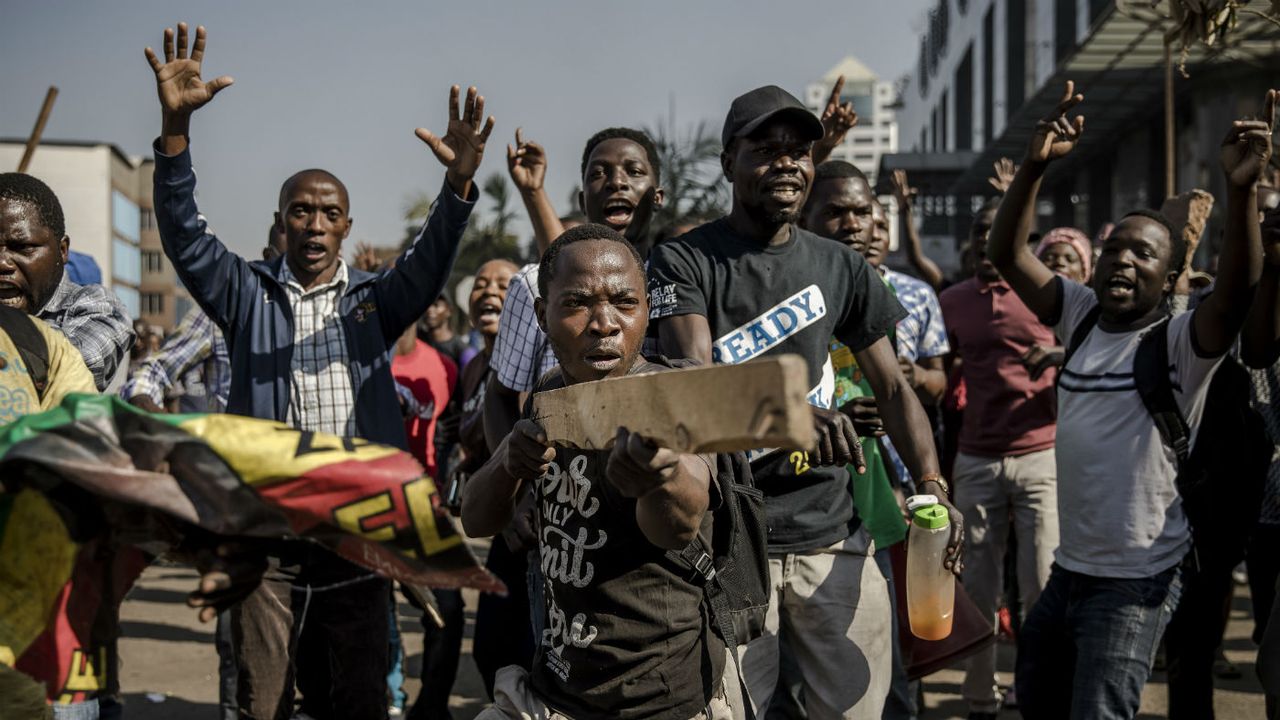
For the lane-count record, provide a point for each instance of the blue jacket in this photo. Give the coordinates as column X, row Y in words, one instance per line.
column 248, row 301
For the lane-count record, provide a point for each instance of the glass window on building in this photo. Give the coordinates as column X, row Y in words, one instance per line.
column 148, row 219
column 152, row 304
column 126, row 218
column 152, row 261
column 130, row 298
column 126, row 262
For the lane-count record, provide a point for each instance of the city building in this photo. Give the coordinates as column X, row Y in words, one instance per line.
column 106, row 198
column 989, row 69
column 873, row 99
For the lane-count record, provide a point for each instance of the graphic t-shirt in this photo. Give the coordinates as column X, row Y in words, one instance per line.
column 1119, row 512
column 626, row 634
column 762, row 301
column 431, row 377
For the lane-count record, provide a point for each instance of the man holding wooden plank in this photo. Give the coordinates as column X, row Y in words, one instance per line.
column 626, row 633
column 753, row 285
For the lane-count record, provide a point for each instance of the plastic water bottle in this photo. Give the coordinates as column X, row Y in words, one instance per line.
column 931, row 588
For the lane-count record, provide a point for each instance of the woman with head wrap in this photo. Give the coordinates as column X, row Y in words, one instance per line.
column 1067, row 251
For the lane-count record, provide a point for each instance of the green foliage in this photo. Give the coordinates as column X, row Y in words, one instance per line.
column 691, row 174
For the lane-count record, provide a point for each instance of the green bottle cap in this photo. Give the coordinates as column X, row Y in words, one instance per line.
column 931, row 517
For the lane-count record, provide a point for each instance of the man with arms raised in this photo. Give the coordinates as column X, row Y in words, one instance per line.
column 309, row 341
column 1086, row 648
column 626, row 632
column 754, row 284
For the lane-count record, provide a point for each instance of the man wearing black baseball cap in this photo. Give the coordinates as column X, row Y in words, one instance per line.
column 753, row 284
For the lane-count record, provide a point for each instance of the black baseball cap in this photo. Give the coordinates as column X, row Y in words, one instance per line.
column 751, row 110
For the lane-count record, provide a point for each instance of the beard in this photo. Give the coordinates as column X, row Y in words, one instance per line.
column 784, row 217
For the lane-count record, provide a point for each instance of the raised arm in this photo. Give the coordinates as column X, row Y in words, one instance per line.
column 214, row 276
column 1055, row 136
column 419, row 276
column 1260, row 341
column 1246, row 151
column 906, row 195
column 527, row 164
column 837, row 120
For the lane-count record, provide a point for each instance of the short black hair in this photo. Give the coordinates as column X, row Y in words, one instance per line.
column 1177, row 243
column 30, row 189
column 838, row 170
column 285, row 187
column 587, row 231
column 622, row 133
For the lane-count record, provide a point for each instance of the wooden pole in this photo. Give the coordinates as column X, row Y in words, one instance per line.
column 38, row 130
column 1170, row 160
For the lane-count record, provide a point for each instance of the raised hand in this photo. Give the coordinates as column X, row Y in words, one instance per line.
column 527, row 163
column 1055, row 135
column 181, row 89
column 1246, row 151
column 462, row 147
column 902, row 190
column 1003, row 171
column 837, row 120
column 366, row 258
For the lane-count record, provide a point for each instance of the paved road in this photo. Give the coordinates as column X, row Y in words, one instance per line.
column 166, row 653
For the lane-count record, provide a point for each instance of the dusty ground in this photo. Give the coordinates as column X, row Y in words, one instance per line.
column 165, row 652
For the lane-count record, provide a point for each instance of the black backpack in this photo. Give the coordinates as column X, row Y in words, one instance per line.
column 1221, row 478
column 31, row 346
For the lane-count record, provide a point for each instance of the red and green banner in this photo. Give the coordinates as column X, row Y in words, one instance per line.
column 92, row 485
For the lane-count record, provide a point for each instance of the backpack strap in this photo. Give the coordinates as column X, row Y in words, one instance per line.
column 31, row 345
column 1151, row 376
column 1080, row 333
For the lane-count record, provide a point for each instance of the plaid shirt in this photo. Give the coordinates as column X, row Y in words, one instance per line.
column 96, row 323
column 921, row 334
column 521, row 353
column 321, row 398
column 194, row 354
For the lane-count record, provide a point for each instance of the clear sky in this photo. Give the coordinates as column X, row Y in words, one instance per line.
column 341, row 85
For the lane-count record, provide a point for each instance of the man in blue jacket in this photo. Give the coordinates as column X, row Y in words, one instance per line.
column 308, row 338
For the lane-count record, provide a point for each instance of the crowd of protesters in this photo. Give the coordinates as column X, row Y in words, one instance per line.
column 1021, row 393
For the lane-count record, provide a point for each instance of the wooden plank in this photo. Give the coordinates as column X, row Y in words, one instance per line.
column 724, row 408
column 38, row 131
column 1189, row 212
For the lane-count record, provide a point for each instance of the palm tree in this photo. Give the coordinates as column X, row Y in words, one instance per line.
column 691, row 175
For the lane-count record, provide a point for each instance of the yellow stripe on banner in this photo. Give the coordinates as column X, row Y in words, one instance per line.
column 36, row 560
column 263, row 452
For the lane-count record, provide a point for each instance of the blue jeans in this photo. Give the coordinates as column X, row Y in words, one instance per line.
column 1086, row 648
column 87, row 710
column 395, row 672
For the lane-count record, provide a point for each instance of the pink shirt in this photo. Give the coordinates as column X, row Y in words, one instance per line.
column 431, row 377
column 1006, row 413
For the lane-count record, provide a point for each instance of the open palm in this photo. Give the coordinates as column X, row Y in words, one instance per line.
column 462, row 147
column 527, row 163
column 178, row 82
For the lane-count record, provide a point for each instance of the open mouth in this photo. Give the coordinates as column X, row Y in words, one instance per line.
column 11, row 295
column 603, row 359
column 313, row 251
column 1119, row 287
column 618, row 212
column 787, row 192
column 489, row 310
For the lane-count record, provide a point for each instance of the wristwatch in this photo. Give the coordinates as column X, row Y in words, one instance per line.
column 934, row 477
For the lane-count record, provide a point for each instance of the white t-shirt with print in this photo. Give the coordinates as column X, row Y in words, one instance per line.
column 1119, row 512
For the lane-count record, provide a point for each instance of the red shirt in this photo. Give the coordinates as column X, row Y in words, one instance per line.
column 1006, row 412
column 431, row 377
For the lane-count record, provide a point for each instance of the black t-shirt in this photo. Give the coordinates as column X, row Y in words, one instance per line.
column 789, row 298
column 627, row 635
